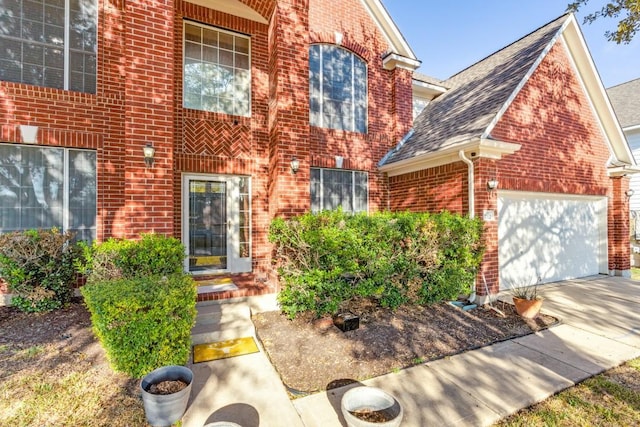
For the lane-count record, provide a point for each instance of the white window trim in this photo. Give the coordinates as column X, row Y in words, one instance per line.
column 65, row 186
column 66, row 50
column 353, row 185
column 353, row 100
column 184, row 63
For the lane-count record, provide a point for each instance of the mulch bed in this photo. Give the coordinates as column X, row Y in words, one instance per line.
column 313, row 355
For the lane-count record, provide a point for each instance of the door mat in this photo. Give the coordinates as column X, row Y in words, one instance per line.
column 216, row 285
column 224, row 349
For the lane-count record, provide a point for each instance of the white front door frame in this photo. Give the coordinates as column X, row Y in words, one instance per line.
column 235, row 263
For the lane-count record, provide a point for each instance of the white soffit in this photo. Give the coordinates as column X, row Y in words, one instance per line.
column 475, row 148
column 232, row 7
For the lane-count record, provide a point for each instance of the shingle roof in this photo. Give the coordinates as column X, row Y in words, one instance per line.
column 625, row 99
column 477, row 93
column 428, row 79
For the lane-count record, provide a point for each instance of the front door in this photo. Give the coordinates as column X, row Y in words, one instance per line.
column 217, row 224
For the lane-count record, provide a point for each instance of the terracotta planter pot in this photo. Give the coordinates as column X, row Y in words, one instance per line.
column 527, row 308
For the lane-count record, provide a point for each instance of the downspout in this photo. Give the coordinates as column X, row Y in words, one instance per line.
column 472, row 209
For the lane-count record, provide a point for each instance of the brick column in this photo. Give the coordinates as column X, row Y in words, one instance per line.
column 149, row 115
column 289, row 130
column 485, row 200
column 618, row 225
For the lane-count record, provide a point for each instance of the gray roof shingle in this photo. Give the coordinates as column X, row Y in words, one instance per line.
column 625, row 99
column 477, row 93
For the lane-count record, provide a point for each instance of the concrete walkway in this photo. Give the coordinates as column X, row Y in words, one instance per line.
column 600, row 329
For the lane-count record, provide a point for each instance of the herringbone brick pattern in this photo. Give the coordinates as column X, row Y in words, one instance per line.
column 216, row 138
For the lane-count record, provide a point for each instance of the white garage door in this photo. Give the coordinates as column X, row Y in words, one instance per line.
column 549, row 237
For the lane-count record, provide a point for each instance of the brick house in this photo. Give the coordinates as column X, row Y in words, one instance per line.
column 206, row 119
column 528, row 135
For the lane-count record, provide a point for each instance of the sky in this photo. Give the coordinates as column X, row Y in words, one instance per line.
column 449, row 35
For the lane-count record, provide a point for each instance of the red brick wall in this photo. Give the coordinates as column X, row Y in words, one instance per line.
column 139, row 100
column 389, row 92
column 79, row 120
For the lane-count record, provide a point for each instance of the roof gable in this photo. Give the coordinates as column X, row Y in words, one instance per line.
column 462, row 118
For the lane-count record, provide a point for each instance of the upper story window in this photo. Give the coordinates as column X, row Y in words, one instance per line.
column 217, row 70
column 50, row 43
column 44, row 187
column 337, row 188
column 337, row 89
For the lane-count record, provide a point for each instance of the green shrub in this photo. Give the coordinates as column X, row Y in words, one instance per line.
column 327, row 259
column 152, row 254
column 38, row 267
column 144, row 322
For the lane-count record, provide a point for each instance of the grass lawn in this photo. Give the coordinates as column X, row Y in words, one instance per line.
column 609, row 399
column 635, row 273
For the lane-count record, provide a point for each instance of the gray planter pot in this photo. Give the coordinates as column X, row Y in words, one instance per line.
column 164, row 410
column 370, row 399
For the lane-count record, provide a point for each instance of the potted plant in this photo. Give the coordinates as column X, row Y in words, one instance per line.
column 527, row 300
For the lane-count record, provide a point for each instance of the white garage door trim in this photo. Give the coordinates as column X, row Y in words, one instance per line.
column 549, row 237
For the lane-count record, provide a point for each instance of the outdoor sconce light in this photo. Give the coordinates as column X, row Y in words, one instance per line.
column 295, row 164
column 492, row 184
column 629, row 193
column 149, row 153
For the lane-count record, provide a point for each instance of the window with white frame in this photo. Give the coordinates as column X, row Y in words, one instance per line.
column 337, row 89
column 43, row 187
column 334, row 188
column 49, row 43
column 217, row 70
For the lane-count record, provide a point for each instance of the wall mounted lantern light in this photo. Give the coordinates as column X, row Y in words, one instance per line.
column 629, row 193
column 295, row 164
column 149, row 153
column 492, row 184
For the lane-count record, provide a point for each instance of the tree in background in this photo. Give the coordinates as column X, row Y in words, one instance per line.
column 628, row 11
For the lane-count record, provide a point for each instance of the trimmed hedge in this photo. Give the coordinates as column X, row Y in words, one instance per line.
column 38, row 267
column 330, row 258
column 152, row 254
column 144, row 322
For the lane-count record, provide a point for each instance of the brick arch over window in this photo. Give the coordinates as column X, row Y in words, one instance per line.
column 264, row 7
column 327, row 37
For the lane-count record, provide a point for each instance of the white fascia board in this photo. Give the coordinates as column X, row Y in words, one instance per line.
column 625, row 170
column 601, row 105
column 631, row 128
column 390, row 30
column 232, row 7
column 427, row 90
column 475, row 148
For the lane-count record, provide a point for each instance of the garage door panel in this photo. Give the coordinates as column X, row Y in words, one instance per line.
column 546, row 239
